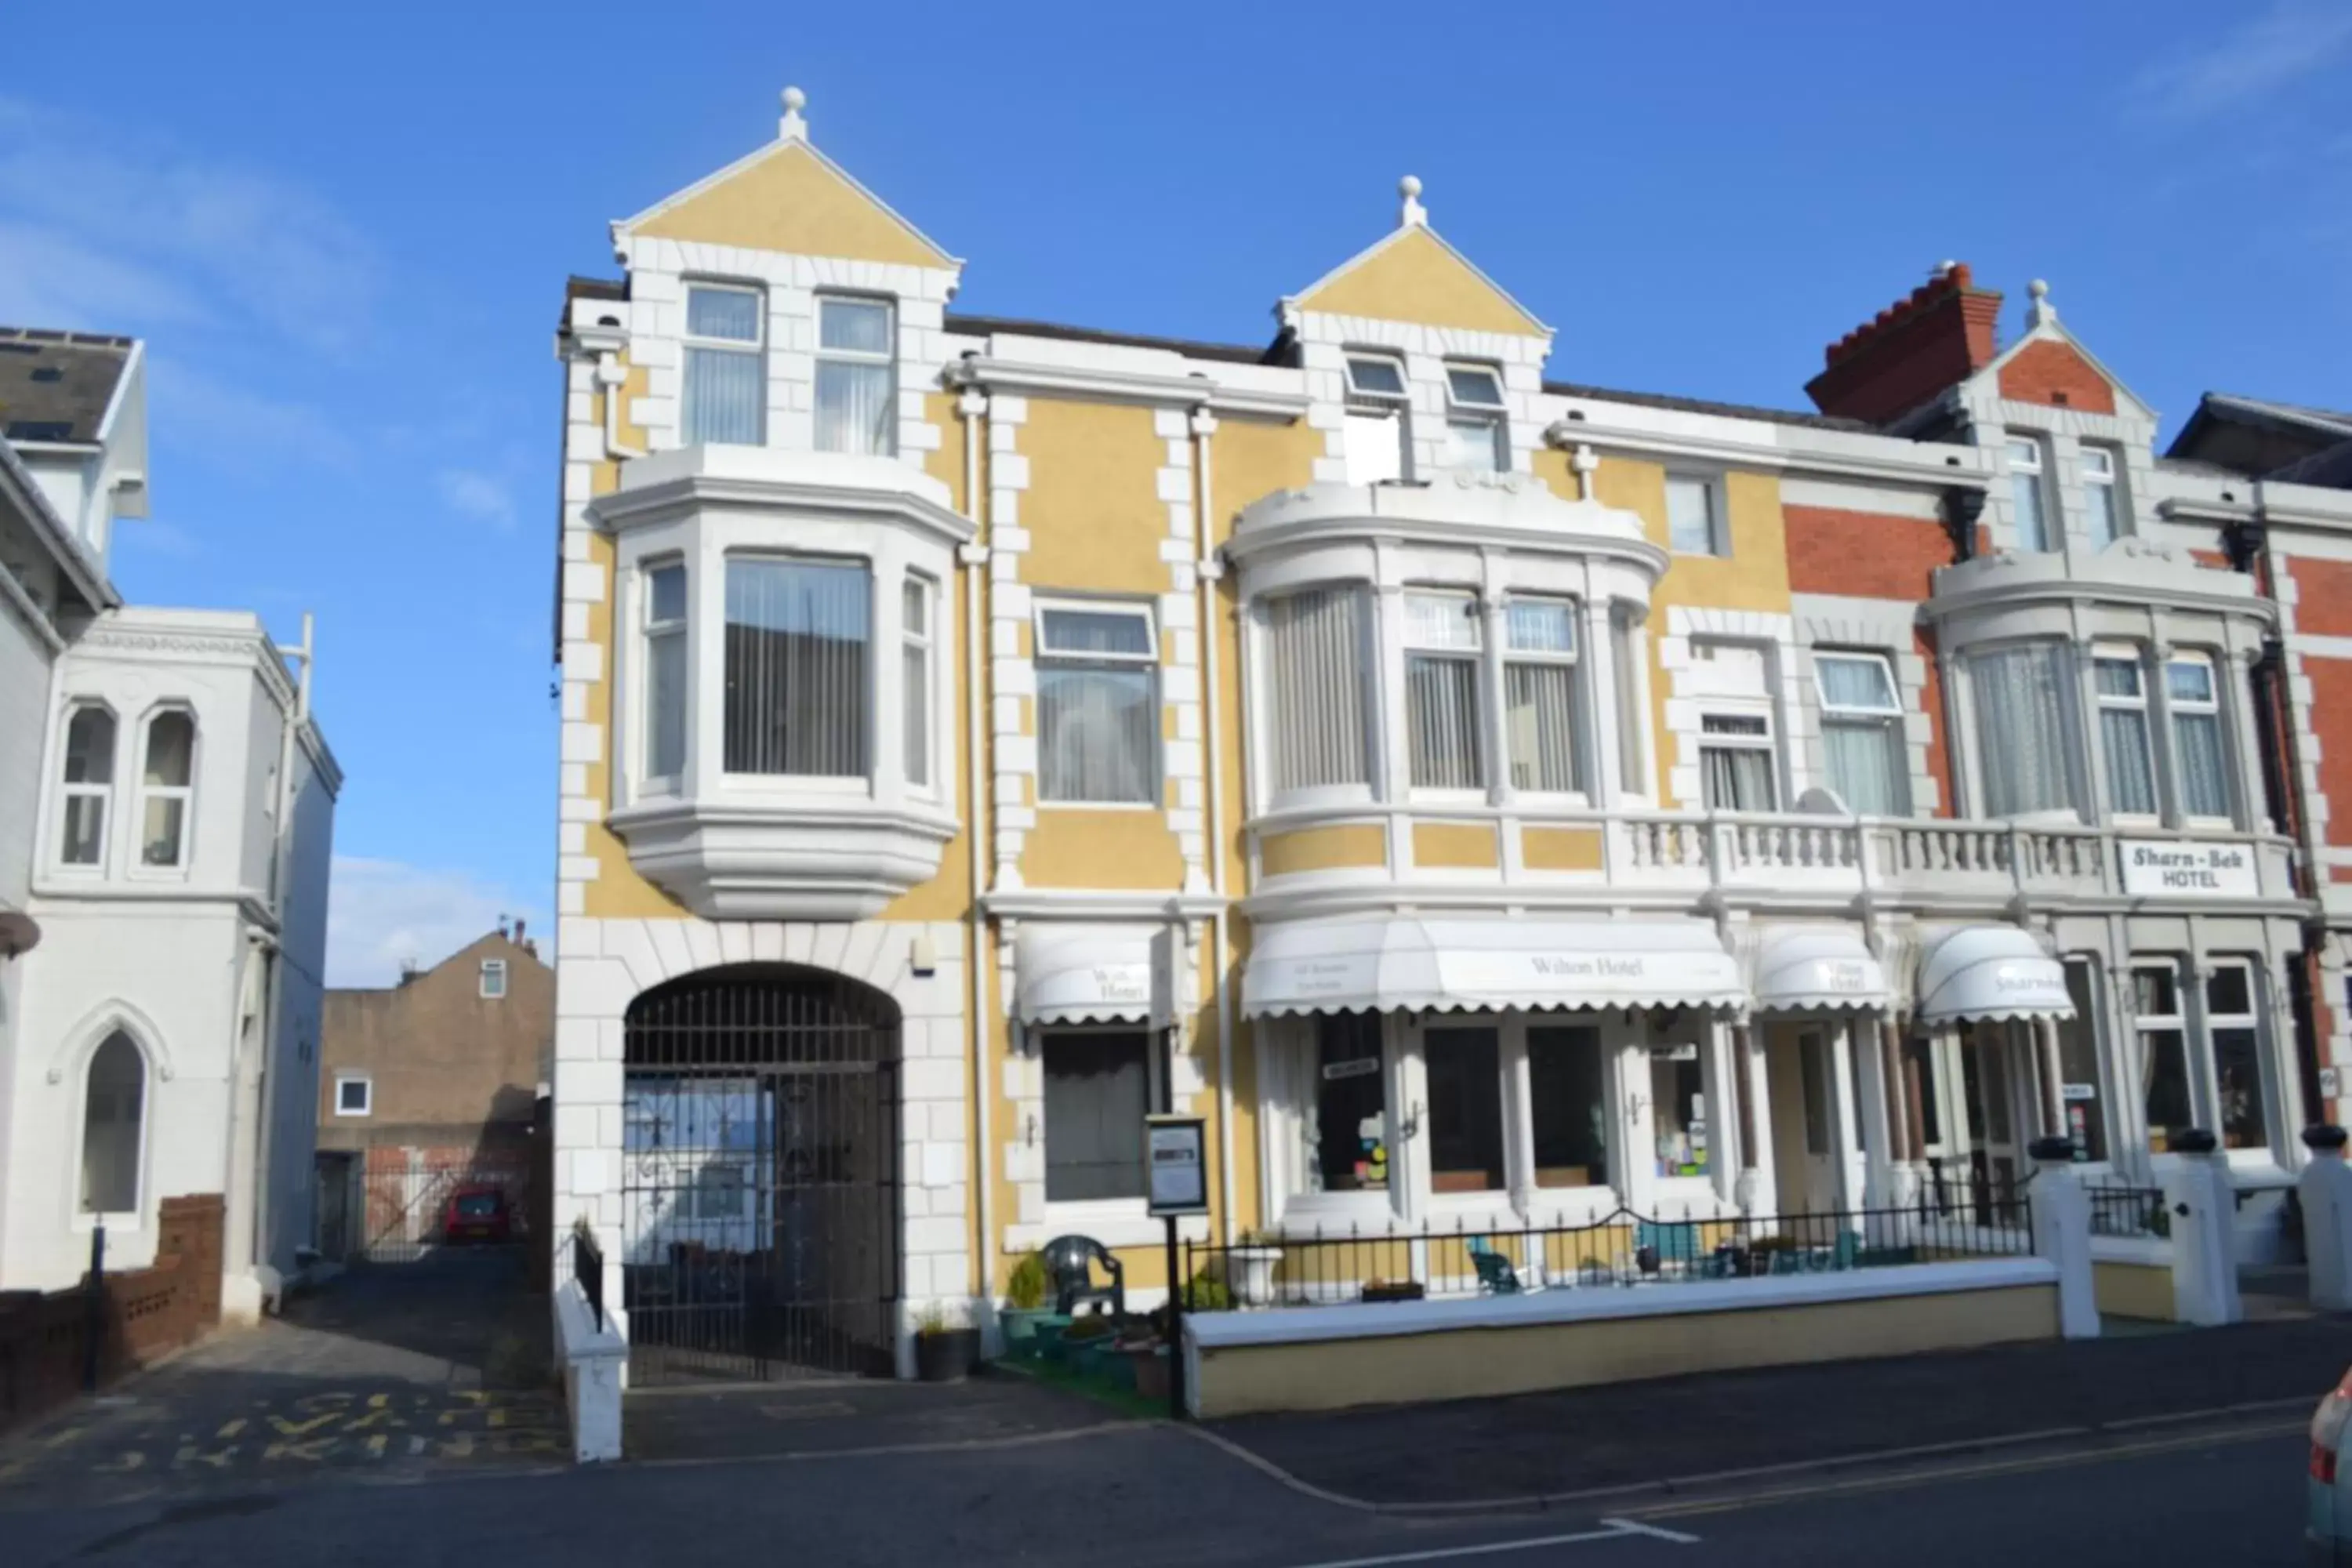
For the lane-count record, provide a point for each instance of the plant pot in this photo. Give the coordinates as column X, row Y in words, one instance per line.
column 1250, row 1274
column 1394, row 1291
column 1020, row 1327
column 1150, row 1372
column 947, row 1355
column 1046, row 1337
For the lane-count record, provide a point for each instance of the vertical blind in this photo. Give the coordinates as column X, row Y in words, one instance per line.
column 1442, row 691
column 2021, row 730
column 1736, row 774
column 1540, row 695
column 1096, row 712
column 726, row 387
column 854, row 377
column 1316, row 655
column 2122, row 736
column 666, row 671
column 796, row 668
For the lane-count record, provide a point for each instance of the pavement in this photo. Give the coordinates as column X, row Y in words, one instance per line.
column 838, row 1417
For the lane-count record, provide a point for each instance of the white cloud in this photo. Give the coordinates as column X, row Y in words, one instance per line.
column 471, row 493
column 2256, row 59
column 381, row 912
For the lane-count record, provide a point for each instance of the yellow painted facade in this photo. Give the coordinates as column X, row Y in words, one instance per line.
column 1338, row 847
column 791, row 199
column 1458, row 845
column 1561, row 848
column 1416, row 277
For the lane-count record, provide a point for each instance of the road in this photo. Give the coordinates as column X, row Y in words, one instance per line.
column 1154, row 1495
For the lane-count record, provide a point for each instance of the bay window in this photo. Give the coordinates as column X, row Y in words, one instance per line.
column 1541, row 713
column 2196, row 737
column 1097, row 704
column 2163, row 1052
column 166, row 778
column 796, row 668
column 2020, row 721
column 1465, row 1109
column 915, row 633
column 2026, row 496
column 1377, row 431
column 88, row 782
column 726, row 384
column 1316, row 656
column 1444, row 637
column 1097, row 1092
column 2123, row 732
column 1346, row 1105
column 1862, row 731
column 1568, row 1105
column 1735, row 762
column 857, row 392
column 2230, row 1026
column 1477, row 436
column 2100, row 512
column 663, row 600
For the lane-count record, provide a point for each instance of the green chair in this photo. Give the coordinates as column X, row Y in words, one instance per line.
column 1495, row 1275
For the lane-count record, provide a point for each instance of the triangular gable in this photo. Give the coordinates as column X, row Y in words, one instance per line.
column 2041, row 349
column 790, row 198
column 1414, row 276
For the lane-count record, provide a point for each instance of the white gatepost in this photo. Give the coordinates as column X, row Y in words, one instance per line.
column 2325, row 1190
column 595, row 1356
column 2203, row 1209
column 2061, row 1210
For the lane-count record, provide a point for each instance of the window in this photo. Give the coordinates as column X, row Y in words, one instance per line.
column 1097, row 1091
column 2100, row 512
column 856, row 390
column 1477, row 436
column 1316, row 664
column 2237, row 1056
column 915, row 630
column 1862, row 731
column 721, row 1191
column 2197, row 736
column 726, row 371
column 1377, row 433
column 2123, row 734
column 1695, row 516
column 1678, row 1104
column 796, row 676
column 1346, row 1105
column 164, row 781
column 89, row 780
column 1541, row 718
column 1465, row 1110
column 2021, row 697
column 1443, row 639
column 2080, row 1094
column 2025, row 494
column 354, row 1094
column 665, row 656
column 1097, row 705
column 112, row 1110
column 1735, row 758
column 494, row 978
column 1568, row 1106
column 2163, row 1052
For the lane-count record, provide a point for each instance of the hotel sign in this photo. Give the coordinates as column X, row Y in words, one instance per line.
column 2186, row 869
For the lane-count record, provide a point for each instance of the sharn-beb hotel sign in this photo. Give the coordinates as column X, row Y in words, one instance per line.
column 2176, row 869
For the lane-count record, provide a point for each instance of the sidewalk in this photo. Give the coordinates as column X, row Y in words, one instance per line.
column 1677, row 1429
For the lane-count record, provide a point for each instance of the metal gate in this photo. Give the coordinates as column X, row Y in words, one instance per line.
column 760, row 1178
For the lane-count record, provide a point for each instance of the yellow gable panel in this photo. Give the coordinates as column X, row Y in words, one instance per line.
column 793, row 201
column 1417, row 277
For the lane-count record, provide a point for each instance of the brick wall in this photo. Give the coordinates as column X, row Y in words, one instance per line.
column 2323, row 596
column 1863, row 554
column 2053, row 375
column 2331, row 722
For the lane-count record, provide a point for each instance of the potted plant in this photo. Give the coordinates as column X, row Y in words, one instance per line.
column 1086, row 1342
column 1249, row 1268
column 1026, row 1295
column 944, row 1350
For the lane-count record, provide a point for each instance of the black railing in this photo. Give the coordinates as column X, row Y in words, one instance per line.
column 1462, row 1256
column 588, row 1268
column 2120, row 1210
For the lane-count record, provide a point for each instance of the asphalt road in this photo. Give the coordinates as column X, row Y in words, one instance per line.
column 1150, row 1495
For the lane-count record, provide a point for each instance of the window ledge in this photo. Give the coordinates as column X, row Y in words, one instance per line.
column 826, row 860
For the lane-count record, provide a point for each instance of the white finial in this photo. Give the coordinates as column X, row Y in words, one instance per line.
column 793, row 128
column 1942, row 269
column 1411, row 214
column 2041, row 312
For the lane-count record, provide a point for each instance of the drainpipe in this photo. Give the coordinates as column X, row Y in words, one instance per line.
column 612, row 376
column 971, row 404
column 1207, row 573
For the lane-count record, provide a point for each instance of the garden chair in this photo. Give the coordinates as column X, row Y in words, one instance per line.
column 1495, row 1275
column 1069, row 1264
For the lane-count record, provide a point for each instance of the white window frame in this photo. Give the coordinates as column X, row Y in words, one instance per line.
column 143, row 793
column 2101, row 474
column 2175, row 705
column 1767, row 742
column 2265, row 1072
column 1488, row 417
column 1718, row 523
column 1581, row 742
column 115, row 1220
column 755, row 347
column 2175, row 1021
column 1063, row 1213
column 103, row 792
column 652, row 631
column 1367, row 611
column 2124, row 653
column 1364, row 403
column 1304, row 1206
column 1155, row 765
column 367, row 1094
column 870, row 709
column 919, row 710
column 2028, row 474
column 1890, row 719
column 1475, row 656
column 491, row 983
column 887, row 358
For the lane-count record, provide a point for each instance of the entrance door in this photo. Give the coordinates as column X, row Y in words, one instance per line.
column 1804, row 1133
column 760, row 1178
column 1989, row 1063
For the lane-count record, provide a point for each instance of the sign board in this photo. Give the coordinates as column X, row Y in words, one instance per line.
column 1175, row 1153
column 1361, row 1066
column 2187, row 868
column 2072, row 1092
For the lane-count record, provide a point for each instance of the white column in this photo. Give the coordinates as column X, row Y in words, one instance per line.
column 1490, row 708
column 2169, row 806
column 1519, row 1115
column 1608, row 766
column 1853, row 1178
column 1649, row 767
column 1393, row 767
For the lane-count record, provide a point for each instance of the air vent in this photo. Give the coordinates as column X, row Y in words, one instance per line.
column 49, row 373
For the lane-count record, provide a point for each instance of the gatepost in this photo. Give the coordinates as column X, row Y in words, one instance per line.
column 2204, row 1211
column 2061, row 1211
column 2325, row 1190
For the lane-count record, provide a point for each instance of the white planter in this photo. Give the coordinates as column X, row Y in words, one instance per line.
column 1251, row 1274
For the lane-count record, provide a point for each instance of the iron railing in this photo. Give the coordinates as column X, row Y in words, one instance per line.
column 2118, row 1209
column 588, row 1268
column 1466, row 1256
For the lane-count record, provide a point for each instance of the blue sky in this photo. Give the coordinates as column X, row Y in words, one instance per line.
column 345, row 239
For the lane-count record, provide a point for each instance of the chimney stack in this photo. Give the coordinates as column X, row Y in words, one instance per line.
column 1935, row 338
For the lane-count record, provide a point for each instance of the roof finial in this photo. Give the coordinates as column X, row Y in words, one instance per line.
column 793, row 128
column 2041, row 312
column 1411, row 214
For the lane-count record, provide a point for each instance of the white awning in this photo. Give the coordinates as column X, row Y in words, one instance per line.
column 1084, row 975
column 1808, row 968
column 1411, row 964
column 1991, row 972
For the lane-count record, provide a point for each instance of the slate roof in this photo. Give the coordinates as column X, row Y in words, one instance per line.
column 57, row 386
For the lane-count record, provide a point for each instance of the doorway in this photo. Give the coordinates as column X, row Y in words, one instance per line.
column 1800, row 1076
column 1967, row 1081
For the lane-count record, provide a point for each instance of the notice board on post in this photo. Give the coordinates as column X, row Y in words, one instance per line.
column 1176, row 1159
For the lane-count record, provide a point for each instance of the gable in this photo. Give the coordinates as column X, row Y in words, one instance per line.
column 791, row 199
column 1417, row 277
column 2055, row 373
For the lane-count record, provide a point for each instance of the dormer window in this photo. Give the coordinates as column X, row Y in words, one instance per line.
column 1695, row 518
column 856, row 390
column 1477, row 436
column 726, row 393
column 2100, row 512
column 1378, row 425
column 2026, row 494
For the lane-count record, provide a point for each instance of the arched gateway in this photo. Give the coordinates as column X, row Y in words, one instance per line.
column 761, row 1177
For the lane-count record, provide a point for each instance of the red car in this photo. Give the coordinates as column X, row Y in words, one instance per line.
column 477, row 1213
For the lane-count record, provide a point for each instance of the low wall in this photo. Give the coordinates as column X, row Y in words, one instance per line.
column 1326, row 1358
column 2133, row 1278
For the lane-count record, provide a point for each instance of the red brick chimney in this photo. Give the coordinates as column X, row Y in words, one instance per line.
column 1939, row 336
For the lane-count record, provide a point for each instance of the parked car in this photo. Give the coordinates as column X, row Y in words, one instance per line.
column 2328, row 1530
column 476, row 1214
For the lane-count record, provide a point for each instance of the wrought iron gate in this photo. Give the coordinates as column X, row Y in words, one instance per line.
column 760, row 1179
